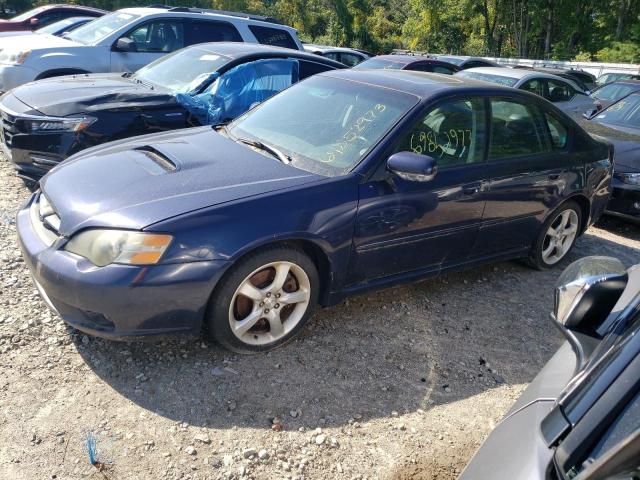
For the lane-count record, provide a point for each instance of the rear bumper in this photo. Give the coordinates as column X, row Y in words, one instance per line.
column 117, row 301
column 625, row 201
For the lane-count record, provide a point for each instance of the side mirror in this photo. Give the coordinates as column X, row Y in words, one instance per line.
column 126, row 45
column 585, row 294
column 413, row 166
column 34, row 22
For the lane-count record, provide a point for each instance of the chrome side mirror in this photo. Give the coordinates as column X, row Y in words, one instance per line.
column 587, row 291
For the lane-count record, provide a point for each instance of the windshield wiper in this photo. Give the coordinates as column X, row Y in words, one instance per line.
column 284, row 158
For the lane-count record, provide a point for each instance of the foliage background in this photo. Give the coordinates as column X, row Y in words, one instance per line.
column 600, row 30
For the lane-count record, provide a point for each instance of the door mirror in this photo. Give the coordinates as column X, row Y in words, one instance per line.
column 126, row 45
column 412, row 166
column 585, row 295
column 34, row 22
column 587, row 291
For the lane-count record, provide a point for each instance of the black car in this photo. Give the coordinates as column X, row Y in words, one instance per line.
column 409, row 61
column 464, row 62
column 620, row 125
column 580, row 417
column 612, row 92
column 46, row 121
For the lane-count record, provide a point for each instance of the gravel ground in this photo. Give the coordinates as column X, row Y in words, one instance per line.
column 403, row 383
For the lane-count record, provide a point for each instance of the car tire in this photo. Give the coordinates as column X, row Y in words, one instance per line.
column 264, row 300
column 557, row 236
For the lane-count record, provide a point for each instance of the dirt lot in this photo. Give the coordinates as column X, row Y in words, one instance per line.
column 404, row 383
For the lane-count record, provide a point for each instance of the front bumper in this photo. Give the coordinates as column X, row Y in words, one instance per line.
column 12, row 76
column 116, row 301
column 625, row 201
column 34, row 154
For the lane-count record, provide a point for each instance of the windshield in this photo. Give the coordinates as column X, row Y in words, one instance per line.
column 487, row 77
column 326, row 125
column 614, row 91
column 57, row 26
column 95, row 31
column 625, row 112
column 182, row 71
column 28, row 14
column 381, row 63
column 455, row 61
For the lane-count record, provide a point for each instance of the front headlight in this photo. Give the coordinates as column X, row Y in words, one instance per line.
column 104, row 247
column 630, row 178
column 13, row 57
column 47, row 125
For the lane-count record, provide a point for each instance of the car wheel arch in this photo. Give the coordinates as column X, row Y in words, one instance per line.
column 311, row 247
column 585, row 208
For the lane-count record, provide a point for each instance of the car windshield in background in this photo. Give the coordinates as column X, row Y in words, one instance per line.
column 183, row 71
column 614, row 91
column 95, row 31
column 455, row 61
column 499, row 79
column 625, row 112
column 56, row 26
column 380, row 63
column 325, row 125
column 29, row 14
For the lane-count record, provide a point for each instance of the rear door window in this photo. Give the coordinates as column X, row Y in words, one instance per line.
column 517, row 130
column 273, row 36
column 349, row 59
column 535, row 85
column 198, row 31
column 308, row 68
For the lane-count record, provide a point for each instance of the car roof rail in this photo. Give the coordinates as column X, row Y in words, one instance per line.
column 399, row 51
column 249, row 16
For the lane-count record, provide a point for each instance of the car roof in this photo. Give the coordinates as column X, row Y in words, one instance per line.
column 516, row 73
column 421, row 84
column 73, row 7
column 239, row 50
column 188, row 11
column 632, row 81
column 411, row 58
column 328, row 48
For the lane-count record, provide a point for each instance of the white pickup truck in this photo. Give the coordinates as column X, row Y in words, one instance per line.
column 128, row 39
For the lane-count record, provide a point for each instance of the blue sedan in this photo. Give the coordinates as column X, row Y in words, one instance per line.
column 348, row 181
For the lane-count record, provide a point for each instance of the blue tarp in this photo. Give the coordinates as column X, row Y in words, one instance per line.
column 235, row 91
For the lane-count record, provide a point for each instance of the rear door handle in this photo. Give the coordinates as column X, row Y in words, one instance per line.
column 472, row 189
column 554, row 176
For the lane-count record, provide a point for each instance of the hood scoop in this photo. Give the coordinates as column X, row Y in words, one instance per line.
column 162, row 162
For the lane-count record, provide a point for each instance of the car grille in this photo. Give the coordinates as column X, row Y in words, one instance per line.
column 9, row 128
column 44, row 219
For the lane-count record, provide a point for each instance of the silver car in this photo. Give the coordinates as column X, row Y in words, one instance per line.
column 562, row 92
column 580, row 417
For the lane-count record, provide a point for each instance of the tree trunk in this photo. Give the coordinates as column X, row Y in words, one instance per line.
column 549, row 30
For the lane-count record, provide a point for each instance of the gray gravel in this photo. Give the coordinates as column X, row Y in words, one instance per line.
column 403, row 383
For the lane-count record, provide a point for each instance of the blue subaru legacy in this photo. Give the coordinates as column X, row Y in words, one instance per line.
column 347, row 181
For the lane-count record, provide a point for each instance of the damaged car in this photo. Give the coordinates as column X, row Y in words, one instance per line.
column 208, row 84
column 347, row 181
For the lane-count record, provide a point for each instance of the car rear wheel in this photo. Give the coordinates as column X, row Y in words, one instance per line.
column 264, row 300
column 557, row 236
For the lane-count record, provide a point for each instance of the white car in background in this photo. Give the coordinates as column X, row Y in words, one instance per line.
column 563, row 93
column 128, row 39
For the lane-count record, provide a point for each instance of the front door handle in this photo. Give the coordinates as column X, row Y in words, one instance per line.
column 554, row 176
column 471, row 190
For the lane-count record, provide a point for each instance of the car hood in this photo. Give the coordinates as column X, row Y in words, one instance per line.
column 36, row 42
column 64, row 96
column 625, row 141
column 138, row 182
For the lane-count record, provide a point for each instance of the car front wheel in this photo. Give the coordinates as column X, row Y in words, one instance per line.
column 557, row 236
column 264, row 300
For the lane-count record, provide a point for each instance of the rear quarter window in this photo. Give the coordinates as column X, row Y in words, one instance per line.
column 308, row 68
column 273, row 36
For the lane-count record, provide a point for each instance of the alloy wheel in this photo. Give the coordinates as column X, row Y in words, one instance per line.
column 269, row 303
column 560, row 236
